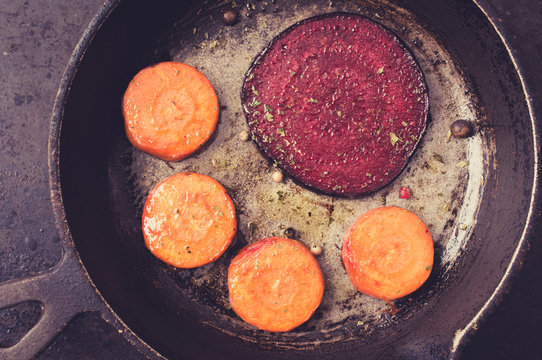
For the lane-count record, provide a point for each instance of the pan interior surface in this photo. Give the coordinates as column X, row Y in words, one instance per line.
column 186, row 313
column 441, row 174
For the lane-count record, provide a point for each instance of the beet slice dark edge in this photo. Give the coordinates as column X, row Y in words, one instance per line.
column 354, row 160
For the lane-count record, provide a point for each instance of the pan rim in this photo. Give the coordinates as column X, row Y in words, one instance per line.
column 514, row 266
column 55, row 188
column 112, row 317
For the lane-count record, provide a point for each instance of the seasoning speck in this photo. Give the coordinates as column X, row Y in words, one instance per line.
column 462, row 164
column 316, row 249
column 278, row 176
column 244, row 136
column 394, row 139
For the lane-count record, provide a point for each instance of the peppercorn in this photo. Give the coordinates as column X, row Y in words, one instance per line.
column 244, row 135
column 461, row 128
column 404, row 192
column 229, row 17
column 278, row 176
column 290, row 233
column 316, row 249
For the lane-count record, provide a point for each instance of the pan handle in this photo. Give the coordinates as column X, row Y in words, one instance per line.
column 64, row 291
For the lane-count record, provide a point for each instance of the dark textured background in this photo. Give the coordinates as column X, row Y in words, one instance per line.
column 36, row 41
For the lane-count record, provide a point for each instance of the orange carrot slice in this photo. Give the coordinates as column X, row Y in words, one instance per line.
column 188, row 220
column 275, row 284
column 388, row 253
column 170, row 110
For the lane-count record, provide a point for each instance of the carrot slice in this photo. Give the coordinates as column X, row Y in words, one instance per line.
column 188, row 220
column 275, row 284
column 388, row 253
column 170, row 110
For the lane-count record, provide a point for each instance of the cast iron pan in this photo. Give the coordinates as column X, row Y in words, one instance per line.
column 477, row 195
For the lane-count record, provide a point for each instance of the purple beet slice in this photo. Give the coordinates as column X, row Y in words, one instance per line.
column 339, row 102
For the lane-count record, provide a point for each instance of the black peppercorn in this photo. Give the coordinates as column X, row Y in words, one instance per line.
column 290, row 233
column 229, row 17
column 461, row 128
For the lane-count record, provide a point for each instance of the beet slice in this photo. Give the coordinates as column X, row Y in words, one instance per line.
column 338, row 101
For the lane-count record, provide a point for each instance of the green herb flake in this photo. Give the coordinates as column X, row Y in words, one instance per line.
column 339, row 113
column 368, row 174
column 428, row 267
column 281, row 112
column 250, row 77
column 292, row 72
column 394, row 139
column 269, row 117
column 255, row 103
column 380, row 71
column 360, row 323
column 313, row 101
column 220, row 213
column 404, row 123
column 462, row 227
column 268, row 109
column 214, row 44
column 391, row 120
column 281, row 132
column 255, row 91
column 281, row 195
column 216, row 208
column 462, row 164
column 285, row 310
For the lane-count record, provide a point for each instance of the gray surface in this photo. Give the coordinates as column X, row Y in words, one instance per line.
column 37, row 40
